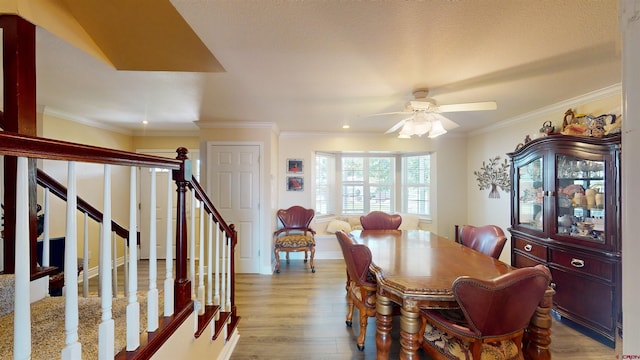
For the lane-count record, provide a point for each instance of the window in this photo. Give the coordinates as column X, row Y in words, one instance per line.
column 361, row 183
column 416, row 182
column 324, row 176
column 367, row 184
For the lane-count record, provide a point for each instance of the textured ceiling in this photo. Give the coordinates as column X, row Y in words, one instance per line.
column 314, row 65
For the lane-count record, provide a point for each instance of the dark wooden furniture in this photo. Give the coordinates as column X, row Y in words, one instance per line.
column 295, row 234
column 565, row 214
column 380, row 220
column 56, row 259
column 492, row 318
column 416, row 269
column 488, row 239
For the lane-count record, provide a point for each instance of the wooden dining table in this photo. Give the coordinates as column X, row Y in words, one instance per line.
column 415, row 269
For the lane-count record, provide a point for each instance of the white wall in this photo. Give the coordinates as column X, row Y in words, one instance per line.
column 630, row 27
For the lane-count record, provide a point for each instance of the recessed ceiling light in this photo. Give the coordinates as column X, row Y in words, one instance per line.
column 145, row 122
column 346, row 126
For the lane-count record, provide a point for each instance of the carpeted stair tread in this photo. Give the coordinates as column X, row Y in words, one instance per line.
column 48, row 333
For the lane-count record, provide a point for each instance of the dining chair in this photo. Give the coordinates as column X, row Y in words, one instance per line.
column 361, row 282
column 295, row 234
column 380, row 220
column 488, row 239
column 492, row 317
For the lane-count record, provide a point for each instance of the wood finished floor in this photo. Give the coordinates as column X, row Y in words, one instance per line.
column 300, row 315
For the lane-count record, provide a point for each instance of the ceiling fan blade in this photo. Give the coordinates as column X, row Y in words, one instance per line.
column 475, row 106
column 447, row 123
column 387, row 113
column 397, row 126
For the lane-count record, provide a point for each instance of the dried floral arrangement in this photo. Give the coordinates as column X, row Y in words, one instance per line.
column 493, row 175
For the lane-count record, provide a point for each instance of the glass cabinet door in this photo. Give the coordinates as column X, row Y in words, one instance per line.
column 531, row 195
column 580, row 194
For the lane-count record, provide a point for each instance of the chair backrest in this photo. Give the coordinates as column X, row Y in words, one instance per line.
column 380, row 220
column 357, row 257
column 488, row 239
column 503, row 305
column 296, row 217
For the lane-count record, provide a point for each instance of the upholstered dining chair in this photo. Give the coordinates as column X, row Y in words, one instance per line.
column 492, row 318
column 361, row 282
column 295, row 234
column 488, row 239
column 380, row 220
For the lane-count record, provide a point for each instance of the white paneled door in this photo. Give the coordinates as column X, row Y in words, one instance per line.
column 233, row 182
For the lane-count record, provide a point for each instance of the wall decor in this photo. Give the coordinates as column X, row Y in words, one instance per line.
column 493, row 175
column 295, row 183
column 294, row 166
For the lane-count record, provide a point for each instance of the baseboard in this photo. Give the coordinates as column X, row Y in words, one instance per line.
column 95, row 271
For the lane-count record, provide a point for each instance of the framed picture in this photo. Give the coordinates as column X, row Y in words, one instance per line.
column 295, row 183
column 294, row 166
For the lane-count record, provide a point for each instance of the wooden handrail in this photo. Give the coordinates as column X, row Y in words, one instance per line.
column 60, row 191
column 41, row 148
column 208, row 206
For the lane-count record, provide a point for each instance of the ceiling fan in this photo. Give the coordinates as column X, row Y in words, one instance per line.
column 426, row 115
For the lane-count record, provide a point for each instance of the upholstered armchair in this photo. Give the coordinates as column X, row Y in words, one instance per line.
column 492, row 318
column 295, row 234
column 380, row 220
column 488, row 239
column 361, row 283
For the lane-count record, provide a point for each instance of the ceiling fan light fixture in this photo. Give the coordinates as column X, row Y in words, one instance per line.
column 421, row 127
column 436, row 129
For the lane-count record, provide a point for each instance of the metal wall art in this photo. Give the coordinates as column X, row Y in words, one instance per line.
column 493, row 175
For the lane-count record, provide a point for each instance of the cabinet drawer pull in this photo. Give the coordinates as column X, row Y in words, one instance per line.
column 528, row 247
column 577, row 263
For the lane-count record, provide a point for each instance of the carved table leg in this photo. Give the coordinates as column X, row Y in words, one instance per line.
column 538, row 336
column 409, row 333
column 383, row 326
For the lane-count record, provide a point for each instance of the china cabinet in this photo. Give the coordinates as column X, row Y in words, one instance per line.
column 565, row 213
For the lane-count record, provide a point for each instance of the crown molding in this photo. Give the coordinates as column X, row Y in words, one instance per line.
column 553, row 109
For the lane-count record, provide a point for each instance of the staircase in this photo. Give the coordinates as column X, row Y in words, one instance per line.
column 156, row 323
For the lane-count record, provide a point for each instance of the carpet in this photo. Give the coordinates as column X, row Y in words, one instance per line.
column 48, row 333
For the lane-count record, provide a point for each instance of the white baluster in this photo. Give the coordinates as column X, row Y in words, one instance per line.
column 125, row 264
column 46, row 244
column 223, row 279
column 133, row 306
column 114, row 265
column 192, row 245
column 152, row 296
column 22, row 310
column 201, row 261
column 228, row 304
column 85, row 257
column 216, row 297
column 100, row 265
column 210, row 261
column 106, row 330
column 72, row 349
column 168, row 282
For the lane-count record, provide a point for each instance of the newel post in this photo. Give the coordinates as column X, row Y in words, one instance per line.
column 182, row 177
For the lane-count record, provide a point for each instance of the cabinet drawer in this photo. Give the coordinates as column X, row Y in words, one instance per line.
column 521, row 261
column 583, row 264
column 532, row 249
